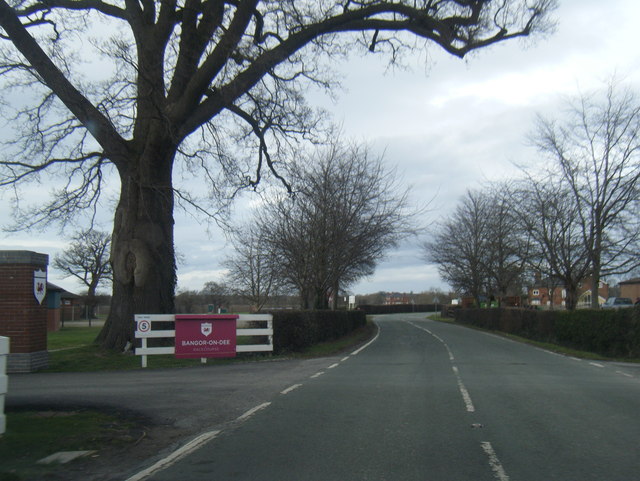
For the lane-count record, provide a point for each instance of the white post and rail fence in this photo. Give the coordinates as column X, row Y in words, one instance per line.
column 204, row 335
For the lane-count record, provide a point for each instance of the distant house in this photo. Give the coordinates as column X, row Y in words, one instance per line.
column 630, row 288
column 395, row 299
column 550, row 292
column 60, row 303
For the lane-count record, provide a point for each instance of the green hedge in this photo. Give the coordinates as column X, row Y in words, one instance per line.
column 398, row 308
column 296, row 330
column 611, row 333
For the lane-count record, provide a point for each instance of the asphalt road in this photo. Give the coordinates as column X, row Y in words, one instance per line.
column 430, row 401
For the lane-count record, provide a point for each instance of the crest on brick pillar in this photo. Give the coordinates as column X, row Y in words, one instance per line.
column 39, row 285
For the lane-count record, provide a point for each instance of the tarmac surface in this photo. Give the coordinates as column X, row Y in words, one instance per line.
column 172, row 405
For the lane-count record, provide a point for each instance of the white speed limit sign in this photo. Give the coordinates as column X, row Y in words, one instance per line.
column 144, row 326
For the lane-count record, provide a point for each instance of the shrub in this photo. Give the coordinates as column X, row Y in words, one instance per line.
column 296, row 330
column 611, row 333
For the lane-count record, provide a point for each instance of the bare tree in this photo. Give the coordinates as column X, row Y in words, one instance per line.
column 87, row 259
column 595, row 150
column 252, row 267
column 550, row 216
column 458, row 246
column 216, row 294
column 189, row 86
column 347, row 212
column 507, row 245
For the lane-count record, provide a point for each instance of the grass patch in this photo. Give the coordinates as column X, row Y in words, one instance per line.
column 34, row 434
column 71, row 337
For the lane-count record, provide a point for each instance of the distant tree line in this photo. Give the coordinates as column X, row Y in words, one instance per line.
column 573, row 215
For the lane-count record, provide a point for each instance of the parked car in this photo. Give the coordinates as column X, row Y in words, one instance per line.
column 617, row 302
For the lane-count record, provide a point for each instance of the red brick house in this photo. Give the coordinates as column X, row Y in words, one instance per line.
column 395, row 299
column 630, row 288
column 551, row 293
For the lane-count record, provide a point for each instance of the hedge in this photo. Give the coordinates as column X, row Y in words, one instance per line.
column 611, row 333
column 398, row 308
column 296, row 330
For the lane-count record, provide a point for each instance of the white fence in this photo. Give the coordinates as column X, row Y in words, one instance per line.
column 243, row 328
column 4, row 353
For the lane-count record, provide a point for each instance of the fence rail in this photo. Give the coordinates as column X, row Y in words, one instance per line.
column 241, row 331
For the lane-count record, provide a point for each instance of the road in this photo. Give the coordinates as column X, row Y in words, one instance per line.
column 431, row 401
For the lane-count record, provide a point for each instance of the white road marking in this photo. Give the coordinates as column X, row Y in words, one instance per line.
column 596, row 364
column 451, row 357
column 498, row 471
column 318, row 374
column 252, row 411
column 334, row 365
column 624, row 373
column 463, row 390
column 344, row 359
column 290, row 388
column 175, row 456
column 358, row 351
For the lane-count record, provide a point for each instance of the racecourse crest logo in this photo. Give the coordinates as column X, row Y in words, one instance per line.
column 39, row 285
column 206, row 328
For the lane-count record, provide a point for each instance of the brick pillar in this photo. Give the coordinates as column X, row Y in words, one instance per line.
column 22, row 318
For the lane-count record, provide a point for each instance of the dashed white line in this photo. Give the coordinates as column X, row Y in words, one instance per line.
column 344, row 359
column 318, row 374
column 290, row 388
column 252, row 411
column 463, row 390
column 496, row 466
column 626, row 374
column 334, row 365
column 596, row 364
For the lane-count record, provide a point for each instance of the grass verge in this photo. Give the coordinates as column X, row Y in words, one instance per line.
column 32, row 435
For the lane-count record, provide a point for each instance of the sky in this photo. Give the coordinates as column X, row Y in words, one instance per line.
column 446, row 125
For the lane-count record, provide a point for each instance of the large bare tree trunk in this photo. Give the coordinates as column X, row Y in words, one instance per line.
column 142, row 251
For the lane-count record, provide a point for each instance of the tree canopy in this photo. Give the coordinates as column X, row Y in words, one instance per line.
column 214, row 90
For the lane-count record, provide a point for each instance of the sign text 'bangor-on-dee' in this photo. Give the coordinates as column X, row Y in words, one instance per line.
column 205, row 335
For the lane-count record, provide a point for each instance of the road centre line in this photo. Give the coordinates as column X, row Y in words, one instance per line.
column 334, row 365
column 179, row 453
column 451, row 356
column 596, row 364
column 496, row 466
column 463, row 390
column 468, row 403
column 318, row 374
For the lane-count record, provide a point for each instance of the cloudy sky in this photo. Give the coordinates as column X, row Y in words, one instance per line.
column 446, row 124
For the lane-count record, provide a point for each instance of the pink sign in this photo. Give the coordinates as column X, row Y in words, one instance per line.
column 205, row 335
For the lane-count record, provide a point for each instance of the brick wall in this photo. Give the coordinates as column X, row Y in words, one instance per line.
column 22, row 318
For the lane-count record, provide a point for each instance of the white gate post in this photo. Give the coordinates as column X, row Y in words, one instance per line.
column 4, row 381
